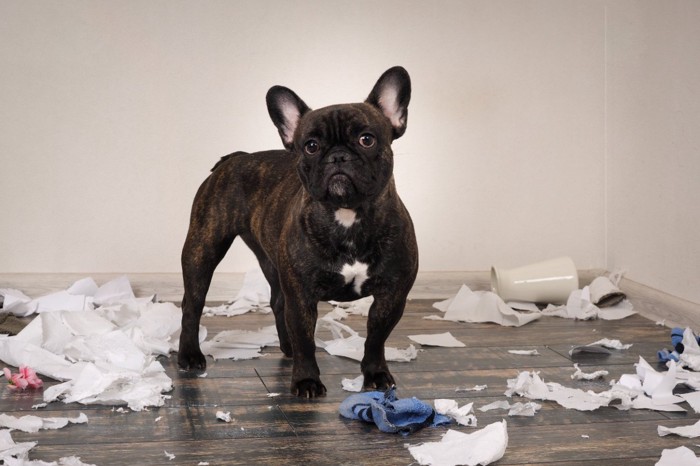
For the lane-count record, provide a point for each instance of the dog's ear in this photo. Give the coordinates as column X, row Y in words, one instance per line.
column 286, row 109
column 391, row 95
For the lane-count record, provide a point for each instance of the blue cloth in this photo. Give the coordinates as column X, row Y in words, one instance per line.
column 391, row 414
column 665, row 355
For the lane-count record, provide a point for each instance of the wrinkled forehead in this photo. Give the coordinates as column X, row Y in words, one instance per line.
column 339, row 121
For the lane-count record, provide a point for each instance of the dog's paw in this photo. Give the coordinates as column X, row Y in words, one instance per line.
column 379, row 380
column 192, row 360
column 308, row 388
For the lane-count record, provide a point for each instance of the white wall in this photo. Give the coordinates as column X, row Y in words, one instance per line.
column 113, row 113
column 654, row 143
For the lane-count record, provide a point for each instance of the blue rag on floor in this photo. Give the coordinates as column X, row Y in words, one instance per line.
column 391, row 414
column 678, row 348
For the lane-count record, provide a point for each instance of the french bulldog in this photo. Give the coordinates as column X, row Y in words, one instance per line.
column 324, row 220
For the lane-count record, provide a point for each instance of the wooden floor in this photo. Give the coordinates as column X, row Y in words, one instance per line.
column 287, row 430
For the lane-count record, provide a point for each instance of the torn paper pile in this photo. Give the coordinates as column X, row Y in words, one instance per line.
column 647, row 389
column 486, row 306
column 482, row 447
column 104, row 352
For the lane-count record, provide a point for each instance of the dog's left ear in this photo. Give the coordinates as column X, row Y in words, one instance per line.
column 391, row 95
column 285, row 109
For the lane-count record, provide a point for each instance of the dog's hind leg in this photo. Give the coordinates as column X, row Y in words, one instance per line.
column 201, row 254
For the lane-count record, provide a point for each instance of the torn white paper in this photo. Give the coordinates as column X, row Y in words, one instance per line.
column 253, row 296
column 501, row 404
column 531, row 386
column 516, row 409
column 691, row 353
column 580, row 307
column 475, row 388
column 482, row 447
column 580, row 375
column 104, row 355
column 170, row 456
column 440, row 339
column 482, row 306
column 358, row 307
column 353, row 385
column 532, row 352
column 612, row 344
column 659, row 386
column 31, row 424
column 462, row 415
column 8, row 447
column 348, row 343
column 691, row 431
column 681, row 456
column 240, row 344
column 693, row 399
column 224, row 416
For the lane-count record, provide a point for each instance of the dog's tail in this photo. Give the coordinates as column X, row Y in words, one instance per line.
column 226, row 157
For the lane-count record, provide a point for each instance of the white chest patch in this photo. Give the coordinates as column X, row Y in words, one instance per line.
column 346, row 217
column 355, row 274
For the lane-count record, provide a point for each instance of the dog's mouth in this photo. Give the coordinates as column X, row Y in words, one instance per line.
column 340, row 185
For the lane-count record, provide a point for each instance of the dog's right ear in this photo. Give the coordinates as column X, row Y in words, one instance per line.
column 286, row 109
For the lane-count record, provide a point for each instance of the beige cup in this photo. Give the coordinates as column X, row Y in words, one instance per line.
column 549, row 281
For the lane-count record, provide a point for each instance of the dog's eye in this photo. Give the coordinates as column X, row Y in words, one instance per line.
column 311, row 147
column 367, row 140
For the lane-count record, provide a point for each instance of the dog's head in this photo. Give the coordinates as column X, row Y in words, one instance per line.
column 345, row 155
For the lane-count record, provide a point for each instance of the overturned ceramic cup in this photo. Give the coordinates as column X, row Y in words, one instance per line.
column 550, row 281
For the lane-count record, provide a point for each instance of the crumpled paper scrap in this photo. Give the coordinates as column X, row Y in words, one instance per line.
column 532, row 352
column 348, row 343
column 690, row 357
column 342, row 310
column 482, row 447
column 475, row 388
column 528, row 409
column 580, row 375
column 254, row 295
column 240, row 344
column 681, row 456
column 353, row 385
column 481, row 306
column 690, row 431
column 446, row 340
column 32, row 424
column 104, row 355
column 463, row 415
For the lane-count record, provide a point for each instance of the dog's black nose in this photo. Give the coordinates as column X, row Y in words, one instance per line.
column 339, row 156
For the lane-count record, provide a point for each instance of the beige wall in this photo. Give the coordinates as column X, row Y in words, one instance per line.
column 525, row 118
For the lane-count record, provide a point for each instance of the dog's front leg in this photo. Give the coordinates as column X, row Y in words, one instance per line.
column 385, row 313
column 300, row 317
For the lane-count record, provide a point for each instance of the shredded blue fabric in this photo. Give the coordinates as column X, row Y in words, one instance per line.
column 390, row 414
